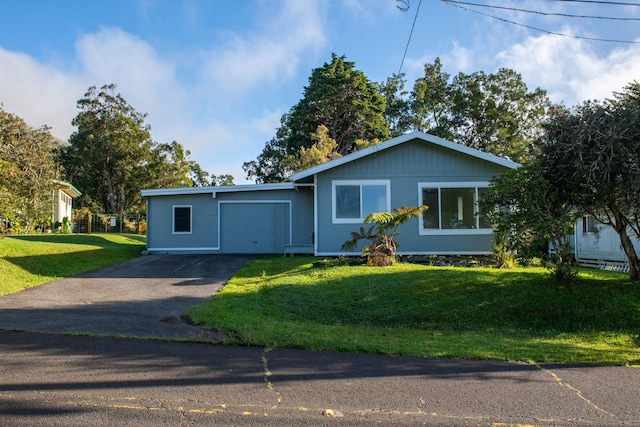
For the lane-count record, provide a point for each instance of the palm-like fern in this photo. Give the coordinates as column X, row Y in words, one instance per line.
column 382, row 232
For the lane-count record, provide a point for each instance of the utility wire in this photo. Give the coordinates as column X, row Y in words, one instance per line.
column 410, row 33
column 453, row 3
column 611, row 3
column 537, row 12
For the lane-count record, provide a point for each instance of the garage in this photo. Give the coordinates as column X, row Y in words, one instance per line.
column 255, row 227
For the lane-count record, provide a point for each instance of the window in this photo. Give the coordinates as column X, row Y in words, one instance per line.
column 453, row 208
column 589, row 224
column 181, row 219
column 353, row 201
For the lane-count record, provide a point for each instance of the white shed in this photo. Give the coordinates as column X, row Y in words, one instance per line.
column 598, row 245
column 63, row 196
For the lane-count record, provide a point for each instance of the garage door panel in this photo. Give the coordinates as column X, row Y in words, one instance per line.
column 254, row 228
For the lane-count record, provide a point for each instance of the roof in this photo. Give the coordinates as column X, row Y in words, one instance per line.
column 401, row 140
column 68, row 188
column 302, row 175
column 213, row 190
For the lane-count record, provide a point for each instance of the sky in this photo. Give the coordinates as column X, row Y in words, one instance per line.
column 217, row 76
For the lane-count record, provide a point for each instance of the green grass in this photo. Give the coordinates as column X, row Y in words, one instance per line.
column 429, row 311
column 31, row 260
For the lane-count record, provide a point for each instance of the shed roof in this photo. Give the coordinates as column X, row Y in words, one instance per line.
column 307, row 173
column 68, row 188
column 213, row 190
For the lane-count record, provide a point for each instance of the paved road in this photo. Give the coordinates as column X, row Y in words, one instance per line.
column 47, row 379
column 52, row 379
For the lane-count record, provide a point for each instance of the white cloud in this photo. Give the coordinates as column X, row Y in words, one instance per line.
column 38, row 93
column 145, row 80
column 569, row 69
column 269, row 54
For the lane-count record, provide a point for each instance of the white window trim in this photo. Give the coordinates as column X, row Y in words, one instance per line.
column 359, row 182
column 173, row 222
column 461, row 231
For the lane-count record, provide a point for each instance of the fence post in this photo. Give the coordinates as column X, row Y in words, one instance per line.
column 89, row 223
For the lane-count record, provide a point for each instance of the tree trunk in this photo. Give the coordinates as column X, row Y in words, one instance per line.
column 621, row 227
column 111, row 201
column 632, row 257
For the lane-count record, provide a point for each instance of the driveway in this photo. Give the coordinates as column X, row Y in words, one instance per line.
column 144, row 297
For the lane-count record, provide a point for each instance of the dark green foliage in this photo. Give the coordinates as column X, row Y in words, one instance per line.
column 495, row 113
column 111, row 157
column 592, row 155
column 339, row 97
column 27, row 171
column 524, row 208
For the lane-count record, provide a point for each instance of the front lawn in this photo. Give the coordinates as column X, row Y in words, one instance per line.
column 31, row 260
column 429, row 311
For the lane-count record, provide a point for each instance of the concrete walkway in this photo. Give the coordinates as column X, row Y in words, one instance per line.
column 144, row 297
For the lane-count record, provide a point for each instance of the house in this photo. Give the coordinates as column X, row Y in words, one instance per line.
column 316, row 210
column 598, row 245
column 63, row 195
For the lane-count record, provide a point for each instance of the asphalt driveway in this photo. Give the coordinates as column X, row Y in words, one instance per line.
column 144, row 297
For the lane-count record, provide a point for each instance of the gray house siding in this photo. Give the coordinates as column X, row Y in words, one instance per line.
column 262, row 222
column 404, row 167
column 204, row 224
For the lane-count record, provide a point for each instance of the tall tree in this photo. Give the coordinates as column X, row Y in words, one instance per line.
column 27, row 171
column 397, row 110
column 495, row 113
column 339, row 97
column 592, row 155
column 431, row 102
column 108, row 151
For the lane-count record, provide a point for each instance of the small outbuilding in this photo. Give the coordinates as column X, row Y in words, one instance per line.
column 598, row 245
column 63, row 195
column 317, row 209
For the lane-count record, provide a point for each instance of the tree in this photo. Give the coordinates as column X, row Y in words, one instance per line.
column 397, row 110
column 432, row 102
column 171, row 166
column 107, row 154
column 339, row 97
column 524, row 207
column 27, row 171
column 592, row 154
column 322, row 150
column 495, row 113
column 382, row 233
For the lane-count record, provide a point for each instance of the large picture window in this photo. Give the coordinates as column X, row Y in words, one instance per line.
column 353, row 201
column 182, row 219
column 453, row 208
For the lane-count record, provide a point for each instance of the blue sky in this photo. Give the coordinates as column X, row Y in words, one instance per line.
column 217, row 75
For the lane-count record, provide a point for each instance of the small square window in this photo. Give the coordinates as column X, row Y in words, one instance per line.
column 182, row 219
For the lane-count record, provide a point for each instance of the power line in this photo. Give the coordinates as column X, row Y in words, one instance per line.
column 537, row 12
column 453, row 4
column 404, row 9
column 611, row 3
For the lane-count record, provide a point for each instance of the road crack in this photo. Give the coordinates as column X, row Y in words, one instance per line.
column 572, row 388
column 268, row 374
